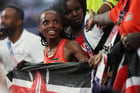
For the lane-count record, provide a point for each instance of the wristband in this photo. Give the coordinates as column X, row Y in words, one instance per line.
column 109, row 4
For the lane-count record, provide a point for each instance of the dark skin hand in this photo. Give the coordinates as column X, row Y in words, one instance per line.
column 103, row 9
column 131, row 41
column 100, row 19
column 90, row 22
column 95, row 60
column 106, row 77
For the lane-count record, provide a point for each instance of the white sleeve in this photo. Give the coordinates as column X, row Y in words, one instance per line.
column 37, row 51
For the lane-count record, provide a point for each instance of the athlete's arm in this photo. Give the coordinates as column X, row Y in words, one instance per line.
column 73, row 49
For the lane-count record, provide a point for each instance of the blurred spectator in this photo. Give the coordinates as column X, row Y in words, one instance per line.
column 99, row 33
column 124, row 56
column 73, row 12
column 19, row 44
column 96, row 4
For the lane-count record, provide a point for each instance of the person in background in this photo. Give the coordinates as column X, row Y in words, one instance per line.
column 95, row 5
column 19, row 44
column 90, row 41
column 99, row 33
column 125, row 16
column 73, row 12
column 58, row 49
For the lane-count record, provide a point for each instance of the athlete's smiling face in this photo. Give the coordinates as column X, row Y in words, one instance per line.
column 50, row 24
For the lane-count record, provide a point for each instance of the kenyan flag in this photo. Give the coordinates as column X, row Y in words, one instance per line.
column 128, row 76
column 70, row 77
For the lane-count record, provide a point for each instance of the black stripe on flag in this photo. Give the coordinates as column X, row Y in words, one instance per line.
column 71, row 74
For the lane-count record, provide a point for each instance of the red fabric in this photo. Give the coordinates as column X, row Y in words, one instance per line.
column 132, row 89
column 131, row 21
column 114, row 13
column 130, row 24
column 38, row 86
column 121, row 78
column 18, row 89
column 104, row 74
column 58, row 55
column 81, row 41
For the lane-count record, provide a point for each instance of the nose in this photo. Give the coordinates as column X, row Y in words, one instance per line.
column 51, row 24
column 74, row 13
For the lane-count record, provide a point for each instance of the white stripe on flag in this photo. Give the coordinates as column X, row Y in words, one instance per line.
column 47, row 76
column 54, row 88
column 65, row 89
column 133, row 81
column 22, row 83
column 121, row 64
column 38, row 87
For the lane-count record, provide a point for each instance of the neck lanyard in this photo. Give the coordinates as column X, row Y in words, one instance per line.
column 88, row 46
column 113, row 34
column 11, row 52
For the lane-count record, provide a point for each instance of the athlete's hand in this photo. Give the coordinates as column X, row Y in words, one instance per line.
column 95, row 60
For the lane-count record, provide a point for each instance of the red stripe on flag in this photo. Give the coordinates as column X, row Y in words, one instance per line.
column 121, row 78
column 105, row 61
column 18, row 89
column 132, row 89
column 38, row 86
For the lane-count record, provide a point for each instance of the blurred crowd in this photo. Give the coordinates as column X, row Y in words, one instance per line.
column 103, row 33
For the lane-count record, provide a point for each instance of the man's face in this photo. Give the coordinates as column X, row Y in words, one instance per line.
column 9, row 19
column 50, row 24
column 74, row 15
